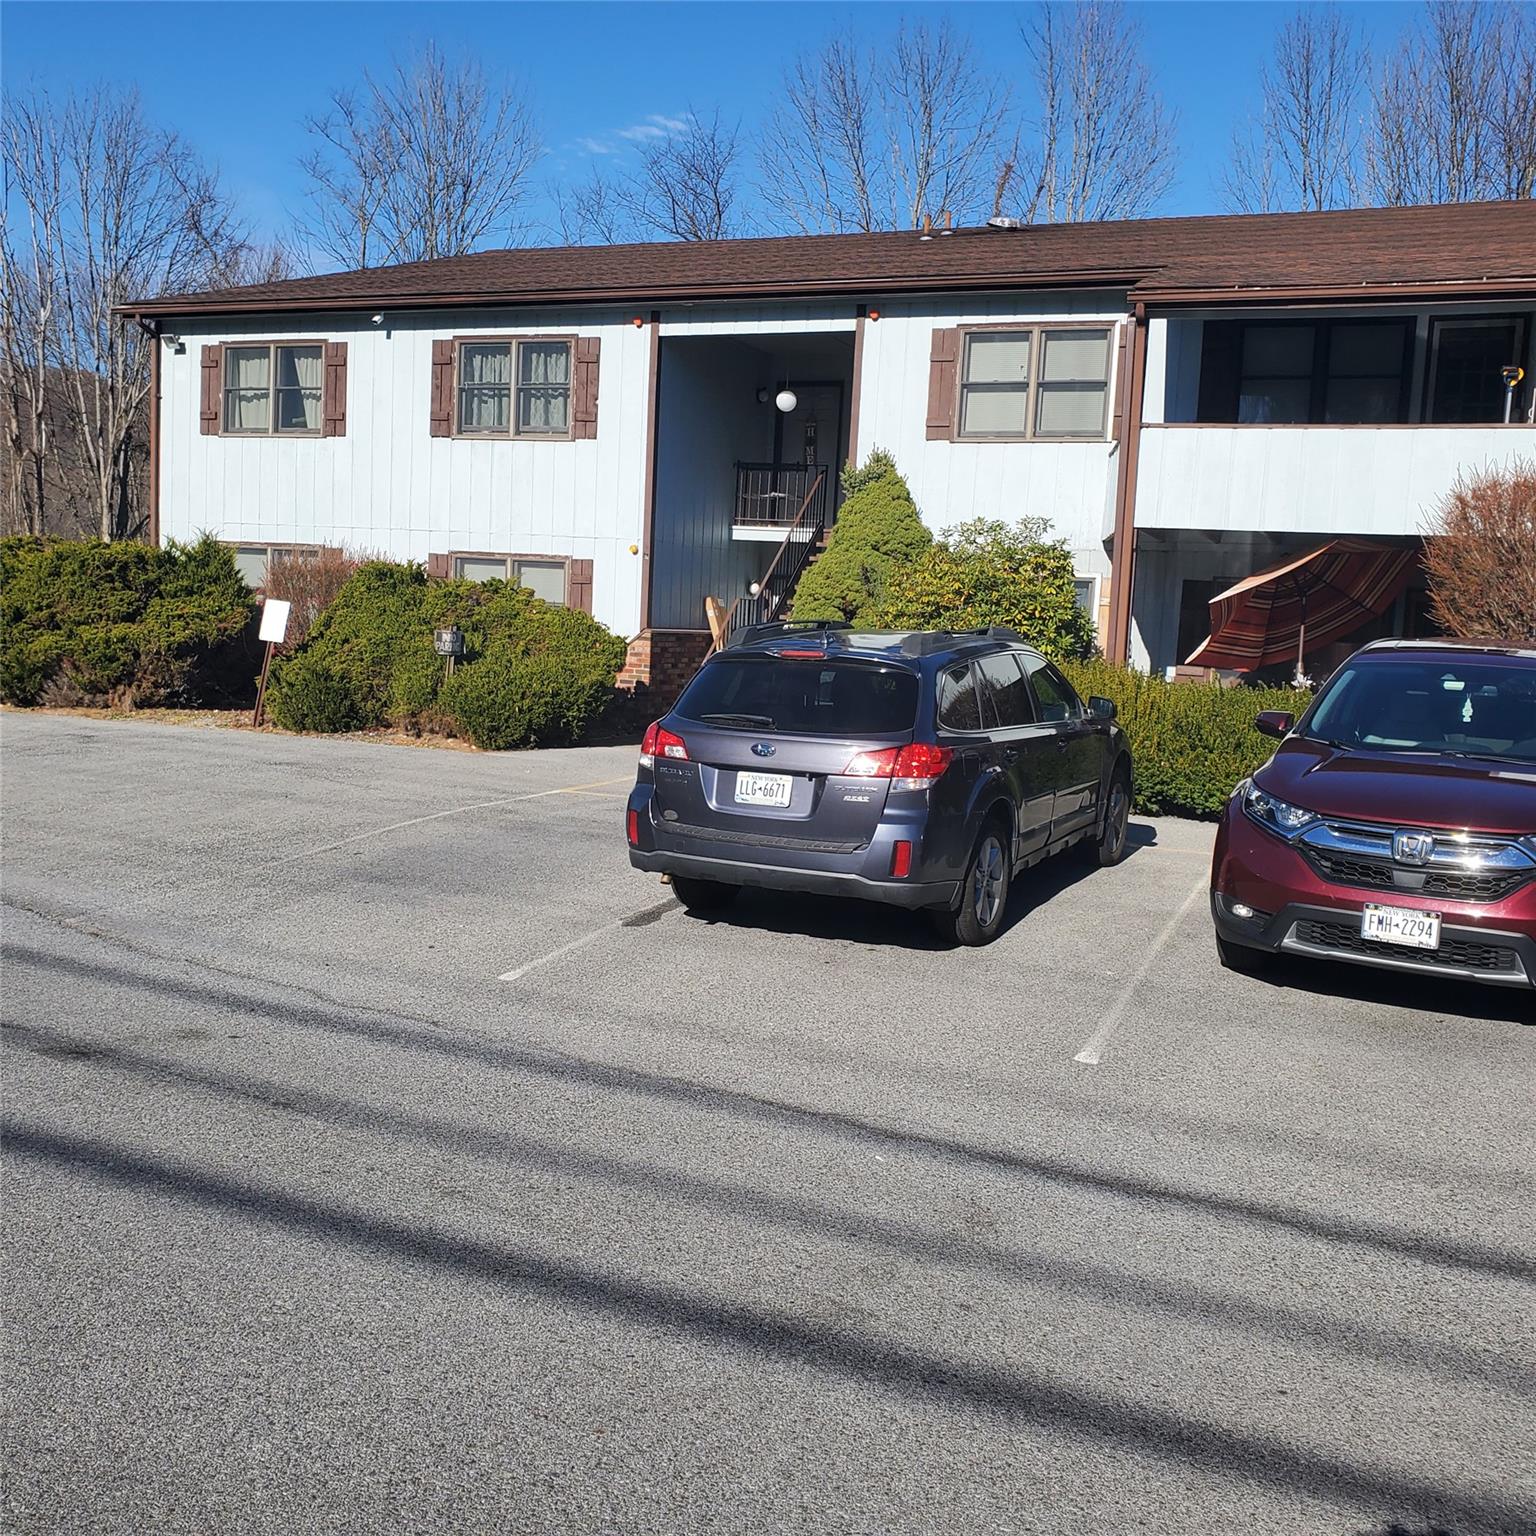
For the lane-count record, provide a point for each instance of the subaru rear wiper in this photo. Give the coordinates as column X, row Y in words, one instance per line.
column 764, row 722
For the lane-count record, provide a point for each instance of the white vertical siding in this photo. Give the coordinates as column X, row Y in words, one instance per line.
column 389, row 486
column 1070, row 484
column 1316, row 480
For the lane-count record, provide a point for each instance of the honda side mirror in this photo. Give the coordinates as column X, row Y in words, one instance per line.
column 1101, row 708
column 1274, row 722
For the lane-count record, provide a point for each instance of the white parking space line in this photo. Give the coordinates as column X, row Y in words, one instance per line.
column 640, row 919
column 458, row 810
column 1093, row 1052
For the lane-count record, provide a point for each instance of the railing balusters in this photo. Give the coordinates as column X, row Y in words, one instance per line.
column 767, row 494
column 778, row 581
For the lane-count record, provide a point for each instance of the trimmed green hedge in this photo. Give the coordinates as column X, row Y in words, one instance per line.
column 532, row 673
column 1190, row 742
column 83, row 622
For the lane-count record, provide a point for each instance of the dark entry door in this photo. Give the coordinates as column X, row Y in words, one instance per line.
column 812, row 433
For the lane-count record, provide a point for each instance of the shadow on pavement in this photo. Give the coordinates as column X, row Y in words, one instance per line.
column 1413, row 994
column 1013, row 1395
column 867, row 922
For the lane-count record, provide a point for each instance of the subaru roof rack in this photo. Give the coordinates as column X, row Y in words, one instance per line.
column 811, row 627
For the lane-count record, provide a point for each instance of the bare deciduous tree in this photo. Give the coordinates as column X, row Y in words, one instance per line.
column 686, row 184
column 1103, row 145
column 429, row 162
column 589, row 213
column 867, row 140
column 1301, row 152
column 1444, row 128
column 1480, row 555
column 116, row 209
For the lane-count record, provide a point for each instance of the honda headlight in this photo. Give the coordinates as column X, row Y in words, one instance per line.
column 1275, row 815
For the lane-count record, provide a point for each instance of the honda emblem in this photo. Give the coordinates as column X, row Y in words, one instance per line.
column 1412, row 847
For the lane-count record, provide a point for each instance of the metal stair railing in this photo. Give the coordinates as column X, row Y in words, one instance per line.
column 777, row 584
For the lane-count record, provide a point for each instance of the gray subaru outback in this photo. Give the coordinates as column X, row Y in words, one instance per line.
column 923, row 770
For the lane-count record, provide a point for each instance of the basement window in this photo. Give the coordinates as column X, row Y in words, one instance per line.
column 544, row 578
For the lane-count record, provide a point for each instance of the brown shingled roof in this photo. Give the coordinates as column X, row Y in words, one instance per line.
column 1477, row 247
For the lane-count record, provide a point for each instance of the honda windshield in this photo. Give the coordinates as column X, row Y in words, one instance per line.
column 820, row 697
column 1484, row 708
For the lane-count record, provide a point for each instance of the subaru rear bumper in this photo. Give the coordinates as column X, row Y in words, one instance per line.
column 789, row 863
column 779, row 877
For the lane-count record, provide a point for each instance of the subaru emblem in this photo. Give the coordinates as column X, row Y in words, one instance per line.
column 1412, row 847
column 763, row 748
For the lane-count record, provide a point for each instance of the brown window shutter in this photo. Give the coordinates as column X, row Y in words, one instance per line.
column 584, row 387
column 439, row 565
column 1122, row 380
column 579, row 585
column 942, row 362
column 213, row 391
column 442, row 389
column 334, row 416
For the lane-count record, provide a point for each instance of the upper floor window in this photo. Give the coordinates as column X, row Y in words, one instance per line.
column 1034, row 382
column 1467, row 358
column 1278, row 372
column 514, row 388
column 276, row 388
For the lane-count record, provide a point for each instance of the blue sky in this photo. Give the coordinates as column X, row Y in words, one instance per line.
column 238, row 79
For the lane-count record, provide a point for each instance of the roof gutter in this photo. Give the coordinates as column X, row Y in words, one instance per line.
column 640, row 298
column 1518, row 287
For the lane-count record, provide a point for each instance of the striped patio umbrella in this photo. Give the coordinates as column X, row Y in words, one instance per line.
column 1274, row 615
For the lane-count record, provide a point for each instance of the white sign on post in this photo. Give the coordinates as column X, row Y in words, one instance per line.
column 274, row 619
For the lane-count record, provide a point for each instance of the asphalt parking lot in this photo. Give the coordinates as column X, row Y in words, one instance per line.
column 383, row 1154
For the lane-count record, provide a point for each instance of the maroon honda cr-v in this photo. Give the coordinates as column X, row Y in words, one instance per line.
column 1396, row 823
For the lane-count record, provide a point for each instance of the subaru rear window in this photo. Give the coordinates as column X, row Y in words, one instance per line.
column 802, row 698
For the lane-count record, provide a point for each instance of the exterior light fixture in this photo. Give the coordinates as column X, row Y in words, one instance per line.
column 754, row 589
column 786, row 400
column 874, row 314
column 638, row 321
column 762, row 397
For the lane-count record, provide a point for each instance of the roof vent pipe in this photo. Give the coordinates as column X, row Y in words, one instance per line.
column 925, row 229
column 949, row 222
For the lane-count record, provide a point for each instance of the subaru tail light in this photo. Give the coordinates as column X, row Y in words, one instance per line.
column 660, row 742
column 918, row 765
column 901, row 860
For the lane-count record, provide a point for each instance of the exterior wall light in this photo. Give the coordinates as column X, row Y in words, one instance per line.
column 786, row 400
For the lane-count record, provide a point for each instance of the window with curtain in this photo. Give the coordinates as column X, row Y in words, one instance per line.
column 1035, row 382
column 273, row 388
column 515, row 388
column 544, row 578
